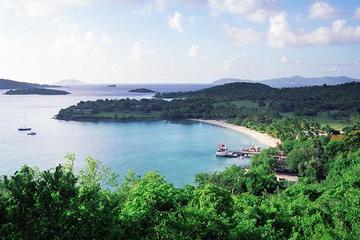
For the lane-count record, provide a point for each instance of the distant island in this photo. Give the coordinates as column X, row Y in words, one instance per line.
column 112, row 85
column 11, row 84
column 291, row 82
column 69, row 82
column 142, row 90
column 36, row 91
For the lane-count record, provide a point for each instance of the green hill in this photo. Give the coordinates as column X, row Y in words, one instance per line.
column 302, row 100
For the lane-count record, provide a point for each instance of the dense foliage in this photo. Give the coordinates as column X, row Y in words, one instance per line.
column 302, row 100
column 232, row 204
column 245, row 103
column 156, row 108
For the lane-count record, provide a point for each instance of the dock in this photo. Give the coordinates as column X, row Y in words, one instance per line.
column 244, row 152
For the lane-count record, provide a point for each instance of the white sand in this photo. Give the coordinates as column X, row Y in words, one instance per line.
column 264, row 138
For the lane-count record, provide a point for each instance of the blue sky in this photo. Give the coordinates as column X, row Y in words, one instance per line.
column 177, row 41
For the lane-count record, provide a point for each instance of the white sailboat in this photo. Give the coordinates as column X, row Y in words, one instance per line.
column 24, row 128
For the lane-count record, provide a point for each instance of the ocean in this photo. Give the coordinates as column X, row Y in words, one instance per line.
column 176, row 149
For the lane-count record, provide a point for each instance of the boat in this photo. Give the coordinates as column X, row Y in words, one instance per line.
column 223, row 151
column 24, row 128
column 112, row 85
column 252, row 150
column 31, row 133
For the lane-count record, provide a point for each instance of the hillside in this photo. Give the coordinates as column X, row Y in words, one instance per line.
column 11, row 84
column 231, row 80
column 295, row 81
column 307, row 101
column 250, row 102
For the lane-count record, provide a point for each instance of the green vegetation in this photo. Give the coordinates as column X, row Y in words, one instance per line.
column 142, row 90
column 232, row 204
column 256, row 106
column 36, row 91
column 303, row 101
column 324, row 119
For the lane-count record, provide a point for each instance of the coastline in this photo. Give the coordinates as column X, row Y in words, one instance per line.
column 264, row 138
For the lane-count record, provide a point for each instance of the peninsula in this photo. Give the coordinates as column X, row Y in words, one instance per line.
column 280, row 113
column 36, row 91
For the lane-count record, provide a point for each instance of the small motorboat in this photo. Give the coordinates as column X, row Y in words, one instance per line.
column 31, row 133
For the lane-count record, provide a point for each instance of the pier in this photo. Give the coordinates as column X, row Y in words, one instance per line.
column 223, row 151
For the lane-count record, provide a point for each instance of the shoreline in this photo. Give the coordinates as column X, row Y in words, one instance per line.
column 264, row 138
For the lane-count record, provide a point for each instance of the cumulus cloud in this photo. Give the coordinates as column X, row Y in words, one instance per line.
column 334, row 69
column 175, row 21
column 194, row 51
column 151, row 6
column 39, row 8
column 280, row 35
column 286, row 60
column 253, row 10
column 322, row 9
column 139, row 51
column 73, row 41
column 244, row 36
column 357, row 13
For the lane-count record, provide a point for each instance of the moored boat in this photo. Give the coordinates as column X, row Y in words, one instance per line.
column 24, row 129
column 223, row 151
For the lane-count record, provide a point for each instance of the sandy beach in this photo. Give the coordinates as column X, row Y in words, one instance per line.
column 261, row 137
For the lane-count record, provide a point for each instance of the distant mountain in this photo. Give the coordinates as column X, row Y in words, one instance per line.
column 69, row 82
column 11, row 84
column 295, row 81
column 230, row 80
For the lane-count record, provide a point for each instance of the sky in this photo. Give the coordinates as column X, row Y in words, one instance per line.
column 177, row 41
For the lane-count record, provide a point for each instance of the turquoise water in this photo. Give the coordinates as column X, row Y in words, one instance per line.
column 176, row 149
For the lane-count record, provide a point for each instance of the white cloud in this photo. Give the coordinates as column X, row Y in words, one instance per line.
column 194, row 51
column 243, row 37
column 152, row 6
column 286, row 60
column 334, row 69
column 280, row 34
column 253, row 10
column 322, row 9
column 357, row 13
column 78, row 43
column 228, row 64
column 175, row 21
column 139, row 51
column 39, row 8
